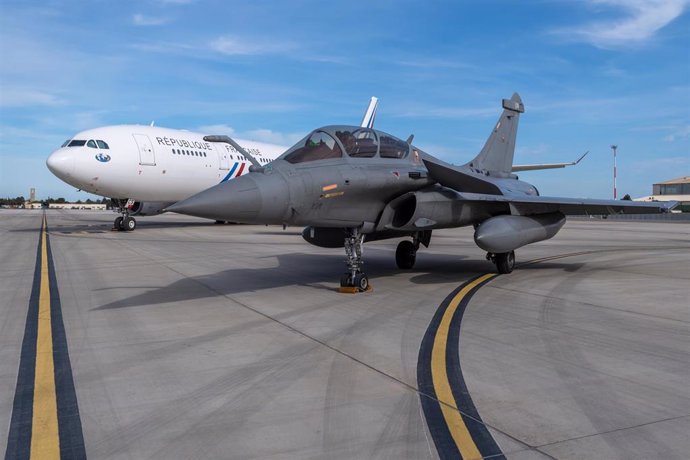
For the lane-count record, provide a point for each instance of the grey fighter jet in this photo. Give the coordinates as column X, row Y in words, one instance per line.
column 348, row 184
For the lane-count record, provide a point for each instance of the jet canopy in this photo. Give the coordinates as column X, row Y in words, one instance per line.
column 353, row 141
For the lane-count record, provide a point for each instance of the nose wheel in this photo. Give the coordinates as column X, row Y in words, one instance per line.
column 125, row 222
column 354, row 280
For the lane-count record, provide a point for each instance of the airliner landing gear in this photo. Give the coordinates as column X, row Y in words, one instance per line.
column 125, row 222
column 505, row 261
column 354, row 278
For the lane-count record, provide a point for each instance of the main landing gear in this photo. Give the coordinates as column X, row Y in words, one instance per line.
column 125, row 222
column 354, row 278
column 406, row 252
column 505, row 261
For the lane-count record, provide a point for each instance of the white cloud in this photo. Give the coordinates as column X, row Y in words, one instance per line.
column 434, row 63
column 446, row 112
column 640, row 21
column 217, row 129
column 234, row 46
column 274, row 137
column 22, row 97
column 681, row 132
column 141, row 20
column 259, row 135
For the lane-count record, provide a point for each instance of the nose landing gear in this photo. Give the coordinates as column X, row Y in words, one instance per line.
column 354, row 280
column 125, row 222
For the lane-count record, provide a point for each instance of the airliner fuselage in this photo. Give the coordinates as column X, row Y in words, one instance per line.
column 150, row 164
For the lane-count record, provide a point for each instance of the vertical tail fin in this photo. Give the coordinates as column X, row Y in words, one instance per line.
column 497, row 154
column 370, row 114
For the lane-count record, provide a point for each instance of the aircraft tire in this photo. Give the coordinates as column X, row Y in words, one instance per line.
column 117, row 225
column 405, row 255
column 505, row 262
column 346, row 280
column 129, row 224
column 361, row 282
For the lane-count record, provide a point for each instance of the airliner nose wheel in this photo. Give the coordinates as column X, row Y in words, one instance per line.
column 505, row 261
column 406, row 254
column 129, row 224
column 125, row 223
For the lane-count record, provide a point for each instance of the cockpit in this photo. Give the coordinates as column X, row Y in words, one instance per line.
column 90, row 143
column 331, row 141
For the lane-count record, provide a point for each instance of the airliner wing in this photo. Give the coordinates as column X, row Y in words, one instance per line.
column 534, row 167
column 370, row 114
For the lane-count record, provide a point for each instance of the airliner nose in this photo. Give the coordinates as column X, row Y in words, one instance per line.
column 61, row 163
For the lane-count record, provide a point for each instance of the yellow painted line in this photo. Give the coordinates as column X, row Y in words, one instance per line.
column 45, row 441
column 439, row 374
column 329, row 187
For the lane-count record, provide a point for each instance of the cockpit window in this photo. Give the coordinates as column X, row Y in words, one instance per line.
column 392, row 147
column 91, row 144
column 359, row 143
column 318, row 146
column 76, row 143
column 102, row 145
column 64, row 144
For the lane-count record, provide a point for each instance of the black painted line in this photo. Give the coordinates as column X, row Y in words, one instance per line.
column 69, row 423
column 438, row 427
column 70, row 432
column 19, row 438
column 480, row 433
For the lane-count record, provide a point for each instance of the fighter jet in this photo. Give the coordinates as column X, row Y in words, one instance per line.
column 348, row 184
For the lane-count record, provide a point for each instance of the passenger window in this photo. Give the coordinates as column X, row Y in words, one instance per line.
column 102, row 145
column 318, row 146
column 91, row 144
column 392, row 147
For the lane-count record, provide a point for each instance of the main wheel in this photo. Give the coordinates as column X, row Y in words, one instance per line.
column 346, row 280
column 505, row 262
column 405, row 255
column 129, row 224
column 117, row 225
column 361, row 282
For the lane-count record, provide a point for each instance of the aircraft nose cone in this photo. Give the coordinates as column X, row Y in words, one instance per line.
column 238, row 200
column 61, row 163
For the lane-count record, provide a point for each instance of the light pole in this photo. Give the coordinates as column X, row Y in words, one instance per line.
column 614, row 147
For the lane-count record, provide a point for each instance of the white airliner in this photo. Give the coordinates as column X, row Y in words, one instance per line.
column 144, row 169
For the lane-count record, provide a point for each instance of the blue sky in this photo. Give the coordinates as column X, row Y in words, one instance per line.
column 590, row 72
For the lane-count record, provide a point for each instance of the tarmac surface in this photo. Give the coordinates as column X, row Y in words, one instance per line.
column 193, row 340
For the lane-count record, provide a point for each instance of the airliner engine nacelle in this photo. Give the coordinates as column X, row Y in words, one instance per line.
column 148, row 208
column 502, row 234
